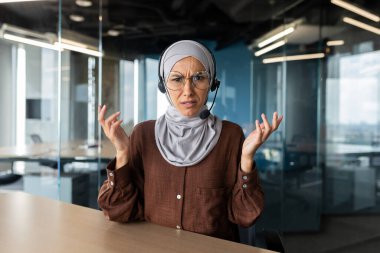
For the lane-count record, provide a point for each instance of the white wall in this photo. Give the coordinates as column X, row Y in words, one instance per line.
column 42, row 83
column 7, row 135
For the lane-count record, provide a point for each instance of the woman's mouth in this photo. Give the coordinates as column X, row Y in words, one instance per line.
column 188, row 104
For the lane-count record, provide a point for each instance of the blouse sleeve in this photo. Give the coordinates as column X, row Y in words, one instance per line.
column 246, row 201
column 121, row 195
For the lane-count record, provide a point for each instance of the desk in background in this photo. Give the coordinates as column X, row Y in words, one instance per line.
column 79, row 186
column 35, row 224
column 71, row 151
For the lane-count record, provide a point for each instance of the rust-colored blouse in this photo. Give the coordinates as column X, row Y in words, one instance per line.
column 210, row 197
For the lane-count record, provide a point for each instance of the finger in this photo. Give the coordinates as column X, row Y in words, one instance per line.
column 268, row 127
column 101, row 114
column 276, row 120
column 265, row 122
column 112, row 118
column 279, row 120
column 258, row 129
column 115, row 126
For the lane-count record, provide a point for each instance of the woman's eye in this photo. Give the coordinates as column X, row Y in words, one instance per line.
column 177, row 79
column 198, row 77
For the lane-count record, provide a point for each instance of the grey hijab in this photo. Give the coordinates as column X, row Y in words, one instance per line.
column 186, row 141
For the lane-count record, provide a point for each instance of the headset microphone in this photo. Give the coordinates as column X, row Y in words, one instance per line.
column 205, row 113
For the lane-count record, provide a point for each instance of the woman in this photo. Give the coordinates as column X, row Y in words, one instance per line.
column 184, row 171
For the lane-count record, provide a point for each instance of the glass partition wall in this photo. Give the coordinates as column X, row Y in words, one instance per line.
column 30, row 77
column 321, row 172
column 81, row 80
column 50, row 62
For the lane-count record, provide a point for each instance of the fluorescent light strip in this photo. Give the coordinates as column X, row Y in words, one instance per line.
column 80, row 49
column 30, row 41
column 294, row 58
column 332, row 43
column 74, row 43
column 361, row 25
column 270, row 48
column 276, row 37
column 356, row 10
column 17, row 1
column 11, row 29
column 53, row 47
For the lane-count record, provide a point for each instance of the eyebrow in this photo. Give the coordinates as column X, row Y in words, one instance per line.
column 179, row 73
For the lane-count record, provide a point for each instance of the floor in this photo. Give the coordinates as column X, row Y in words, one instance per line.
column 338, row 234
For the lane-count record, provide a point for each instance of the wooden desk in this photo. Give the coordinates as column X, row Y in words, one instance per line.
column 35, row 224
column 70, row 151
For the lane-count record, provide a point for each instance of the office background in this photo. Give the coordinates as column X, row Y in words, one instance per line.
column 320, row 170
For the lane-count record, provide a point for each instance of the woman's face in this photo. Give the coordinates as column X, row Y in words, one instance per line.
column 189, row 99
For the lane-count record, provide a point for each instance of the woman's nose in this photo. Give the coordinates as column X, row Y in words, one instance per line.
column 188, row 87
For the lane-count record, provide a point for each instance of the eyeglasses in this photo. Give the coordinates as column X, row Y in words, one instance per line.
column 176, row 81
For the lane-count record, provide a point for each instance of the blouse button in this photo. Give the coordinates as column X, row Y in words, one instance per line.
column 245, row 177
column 179, row 196
column 244, row 186
column 111, row 174
column 111, row 183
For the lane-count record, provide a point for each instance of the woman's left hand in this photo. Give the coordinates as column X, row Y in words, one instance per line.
column 256, row 138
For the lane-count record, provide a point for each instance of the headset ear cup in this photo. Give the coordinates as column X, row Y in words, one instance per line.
column 215, row 84
column 161, row 86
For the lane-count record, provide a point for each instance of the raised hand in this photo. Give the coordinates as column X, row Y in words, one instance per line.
column 256, row 138
column 115, row 133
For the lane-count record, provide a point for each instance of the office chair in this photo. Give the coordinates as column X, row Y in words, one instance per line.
column 273, row 241
column 269, row 239
column 49, row 163
column 36, row 138
column 7, row 178
column 265, row 239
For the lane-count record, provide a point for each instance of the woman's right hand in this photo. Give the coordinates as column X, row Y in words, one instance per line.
column 112, row 129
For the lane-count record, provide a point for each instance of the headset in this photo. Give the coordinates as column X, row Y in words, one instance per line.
column 215, row 83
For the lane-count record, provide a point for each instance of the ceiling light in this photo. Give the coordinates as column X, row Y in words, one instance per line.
column 30, row 41
column 74, row 43
column 275, row 34
column 355, row 9
column 17, row 1
column 294, row 58
column 65, row 43
column 83, row 3
column 79, row 49
column 76, row 18
column 361, row 25
column 270, row 48
column 332, row 43
column 113, row 33
column 276, row 37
